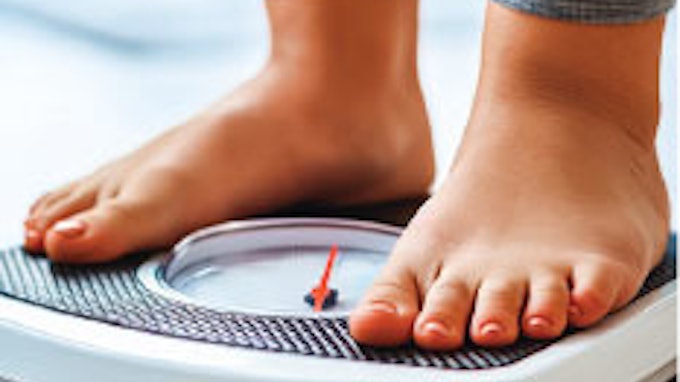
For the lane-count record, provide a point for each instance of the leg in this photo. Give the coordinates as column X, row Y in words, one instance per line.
column 335, row 117
column 554, row 210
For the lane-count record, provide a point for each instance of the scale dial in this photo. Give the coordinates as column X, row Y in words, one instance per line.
column 266, row 266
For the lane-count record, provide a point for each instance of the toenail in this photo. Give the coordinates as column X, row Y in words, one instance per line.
column 32, row 235
column 437, row 329
column 381, row 306
column 32, row 238
column 539, row 322
column 574, row 310
column 70, row 228
column 491, row 328
column 32, row 241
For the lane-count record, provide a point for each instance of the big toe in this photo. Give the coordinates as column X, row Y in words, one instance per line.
column 40, row 222
column 385, row 317
column 105, row 232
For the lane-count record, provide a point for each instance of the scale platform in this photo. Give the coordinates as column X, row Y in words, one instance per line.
column 226, row 304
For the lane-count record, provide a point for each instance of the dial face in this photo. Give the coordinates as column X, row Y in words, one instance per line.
column 267, row 266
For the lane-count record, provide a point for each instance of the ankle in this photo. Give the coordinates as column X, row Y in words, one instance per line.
column 577, row 67
column 559, row 97
column 332, row 43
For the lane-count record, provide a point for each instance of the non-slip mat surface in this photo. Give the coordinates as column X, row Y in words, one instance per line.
column 113, row 294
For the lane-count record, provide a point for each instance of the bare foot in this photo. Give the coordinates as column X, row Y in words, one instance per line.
column 276, row 141
column 552, row 215
column 522, row 238
column 336, row 118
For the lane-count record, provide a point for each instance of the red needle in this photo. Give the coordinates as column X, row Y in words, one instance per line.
column 321, row 290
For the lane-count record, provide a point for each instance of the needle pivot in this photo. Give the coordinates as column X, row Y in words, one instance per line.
column 321, row 297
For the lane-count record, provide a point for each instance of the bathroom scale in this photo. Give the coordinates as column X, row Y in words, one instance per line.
column 267, row 299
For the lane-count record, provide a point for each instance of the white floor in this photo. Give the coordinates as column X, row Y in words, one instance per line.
column 83, row 82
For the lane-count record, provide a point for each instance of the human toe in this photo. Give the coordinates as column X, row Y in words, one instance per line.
column 497, row 309
column 386, row 314
column 594, row 291
column 45, row 201
column 545, row 314
column 442, row 323
column 104, row 232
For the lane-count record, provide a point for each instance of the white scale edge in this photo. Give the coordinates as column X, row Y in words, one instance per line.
column 38, row 344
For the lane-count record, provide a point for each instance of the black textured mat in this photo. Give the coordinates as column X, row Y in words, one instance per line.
column 113, row 294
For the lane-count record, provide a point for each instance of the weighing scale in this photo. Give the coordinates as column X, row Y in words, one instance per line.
column 226, row 304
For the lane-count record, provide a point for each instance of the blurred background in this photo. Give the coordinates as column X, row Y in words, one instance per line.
column 82, row 82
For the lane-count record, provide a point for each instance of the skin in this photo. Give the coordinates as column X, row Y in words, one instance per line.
column 302, row 131
column 551, row 215
column 553, row 212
